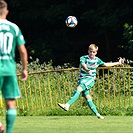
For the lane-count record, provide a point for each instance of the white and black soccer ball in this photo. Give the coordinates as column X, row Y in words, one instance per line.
column 71, row 21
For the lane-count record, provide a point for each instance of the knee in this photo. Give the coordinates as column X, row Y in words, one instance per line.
column 88, row 98
column 10, row 103
column 79, row 88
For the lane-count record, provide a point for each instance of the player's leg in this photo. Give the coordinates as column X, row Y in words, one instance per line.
column 74, row 97
column 92, row 105
column 81, row 87
column 11, row 114
column 10, row 92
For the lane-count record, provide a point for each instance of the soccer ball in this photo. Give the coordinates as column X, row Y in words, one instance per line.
column 71, row 21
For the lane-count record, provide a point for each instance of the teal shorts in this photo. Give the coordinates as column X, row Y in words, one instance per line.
column 86, row 84
column 9, row 87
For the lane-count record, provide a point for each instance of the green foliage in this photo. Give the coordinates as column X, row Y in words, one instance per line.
column 115, row 81
column 36, row 66
column 47, row 37
column 128, row 32
column 84, row 111
column 113, row 87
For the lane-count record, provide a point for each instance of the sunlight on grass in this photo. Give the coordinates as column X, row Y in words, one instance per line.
column 73, row 124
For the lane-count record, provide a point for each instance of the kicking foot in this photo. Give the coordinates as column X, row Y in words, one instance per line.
column 63, row 106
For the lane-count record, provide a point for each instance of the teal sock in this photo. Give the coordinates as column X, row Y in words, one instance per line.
column 74, row 97
column 92, row 106
column 10, row 119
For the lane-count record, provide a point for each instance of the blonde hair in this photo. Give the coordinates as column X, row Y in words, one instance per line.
column 93, row 47
column 3, row 7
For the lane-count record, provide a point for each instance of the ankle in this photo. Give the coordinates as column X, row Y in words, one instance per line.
column 97, row 114
column 67, row 105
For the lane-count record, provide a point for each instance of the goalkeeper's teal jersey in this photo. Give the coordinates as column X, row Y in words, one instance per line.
column 10, row 37
column 91, row 65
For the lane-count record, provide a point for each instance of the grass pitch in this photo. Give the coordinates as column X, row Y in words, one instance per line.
column 73, row 124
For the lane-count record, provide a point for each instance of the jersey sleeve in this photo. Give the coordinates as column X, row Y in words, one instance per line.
column 20, row 38
column 100, row 62
column 82, row 60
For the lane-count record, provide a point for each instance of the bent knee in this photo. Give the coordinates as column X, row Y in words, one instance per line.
column 88, row 97
column 79, row 88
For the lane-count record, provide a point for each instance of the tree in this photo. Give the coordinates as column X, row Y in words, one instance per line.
column 128, row 32
column 43, row 25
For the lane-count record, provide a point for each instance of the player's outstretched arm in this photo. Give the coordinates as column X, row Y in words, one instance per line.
column 110, row 64
column 24, row 59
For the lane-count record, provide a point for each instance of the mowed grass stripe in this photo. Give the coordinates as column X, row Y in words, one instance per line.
column 73, row 124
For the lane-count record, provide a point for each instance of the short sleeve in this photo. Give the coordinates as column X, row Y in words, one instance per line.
column 82, row 60
column 20, row 38
column 100, row 62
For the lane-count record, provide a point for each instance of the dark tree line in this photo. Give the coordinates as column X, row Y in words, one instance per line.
column 99, row 21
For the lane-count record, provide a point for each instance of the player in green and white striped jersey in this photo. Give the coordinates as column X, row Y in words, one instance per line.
column 88, row 66
column 10, row 38
column 91, row 64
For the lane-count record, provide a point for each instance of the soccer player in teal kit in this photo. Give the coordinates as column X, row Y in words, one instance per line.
column 10, row 38
column 88, row 66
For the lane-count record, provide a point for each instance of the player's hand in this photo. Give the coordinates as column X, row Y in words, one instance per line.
column 24, row 75
column 89, row 71
column 121, row 61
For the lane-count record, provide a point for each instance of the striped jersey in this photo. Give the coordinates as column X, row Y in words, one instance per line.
column 91, row 65
column 10, row 37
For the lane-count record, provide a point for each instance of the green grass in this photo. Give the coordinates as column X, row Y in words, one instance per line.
column 73, row 124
